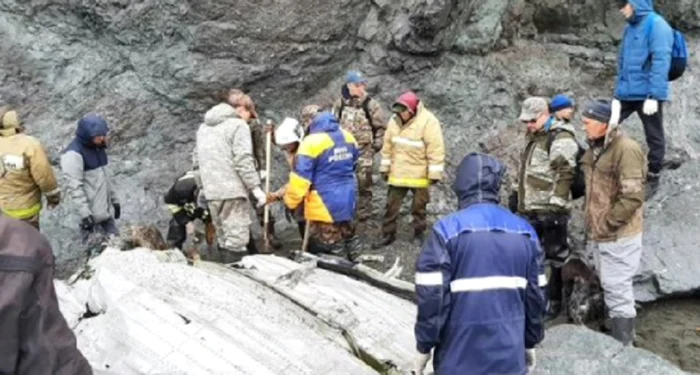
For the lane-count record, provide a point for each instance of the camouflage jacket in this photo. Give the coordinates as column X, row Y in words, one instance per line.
column 354, row 120
column 615, row 174
column 547, row 170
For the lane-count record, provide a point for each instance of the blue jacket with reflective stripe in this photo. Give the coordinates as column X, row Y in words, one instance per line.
column 480, row 304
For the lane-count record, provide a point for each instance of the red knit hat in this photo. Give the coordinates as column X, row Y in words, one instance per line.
column 410, row 100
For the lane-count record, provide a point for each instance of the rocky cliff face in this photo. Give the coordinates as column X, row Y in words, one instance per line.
column 153, row 67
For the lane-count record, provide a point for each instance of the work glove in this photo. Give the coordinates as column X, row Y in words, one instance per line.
column 651, row 106
column 419, row 363
column 87, row 223
column 272, row 198
column 263, row 175
column 54, row 199
column 530, row 359
column 616, row 108
column 117, row 210
column 260, row 197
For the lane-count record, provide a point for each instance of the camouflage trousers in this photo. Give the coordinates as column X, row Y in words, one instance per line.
column 334, row 238
column 364, row 182
column 232, row 221
column 395, row 198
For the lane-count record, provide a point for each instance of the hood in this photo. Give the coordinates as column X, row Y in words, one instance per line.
column 479, row 179
column 219, row 113
column 561, row 124
column 89, row 127
column 641, row 9
column 324, row 122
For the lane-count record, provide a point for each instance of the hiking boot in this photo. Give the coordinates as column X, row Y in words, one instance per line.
column 623, row 330
column 553, row 310
column 652, row 185
column 386, row 240
column 418, row 238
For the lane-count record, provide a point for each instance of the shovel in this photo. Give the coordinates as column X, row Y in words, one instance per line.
column 266, row 220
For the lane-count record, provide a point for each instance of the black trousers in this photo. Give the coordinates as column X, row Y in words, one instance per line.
column 552, row 230
column 653, row 130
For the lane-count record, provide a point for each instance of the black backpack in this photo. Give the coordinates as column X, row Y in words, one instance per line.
column 578, row 185
column 365, row 107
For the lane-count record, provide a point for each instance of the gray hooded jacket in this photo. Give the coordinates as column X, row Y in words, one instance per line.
column 224, row 154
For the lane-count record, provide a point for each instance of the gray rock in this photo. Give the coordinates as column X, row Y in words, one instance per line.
column 577, row 350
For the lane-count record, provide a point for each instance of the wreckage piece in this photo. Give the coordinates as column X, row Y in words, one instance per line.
column 150, row 313
column 386, row 282
column 378, row 324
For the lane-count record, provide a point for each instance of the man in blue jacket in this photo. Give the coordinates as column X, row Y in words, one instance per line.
column 642, row 78
column 479, row 301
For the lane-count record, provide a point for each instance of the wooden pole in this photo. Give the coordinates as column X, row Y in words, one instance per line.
column 305, row 242
column 268, row 147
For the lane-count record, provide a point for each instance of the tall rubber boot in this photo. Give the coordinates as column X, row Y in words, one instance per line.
column 554, row 289
column 623, row 330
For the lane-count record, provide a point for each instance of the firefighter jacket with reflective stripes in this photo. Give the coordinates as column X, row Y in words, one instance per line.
column 25, row 173
column 478, row 281
column 324, row 174
column 413, row 153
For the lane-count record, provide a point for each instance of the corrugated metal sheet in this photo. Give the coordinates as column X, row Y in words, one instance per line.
column 170, row 318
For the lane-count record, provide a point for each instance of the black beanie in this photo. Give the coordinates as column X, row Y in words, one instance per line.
column 599, row 110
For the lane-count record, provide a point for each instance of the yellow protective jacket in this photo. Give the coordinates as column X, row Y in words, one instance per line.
column 413, row 153
column 25, row 173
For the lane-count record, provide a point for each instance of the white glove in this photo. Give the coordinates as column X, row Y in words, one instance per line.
column 260, row 197
column 263, row 175
column 419, row 363
column 530, row 359
column 651, row 106
column 616, row 108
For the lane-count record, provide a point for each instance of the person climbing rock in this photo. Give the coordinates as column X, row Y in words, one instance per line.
column 562, row 108
column 257, row 134
column 324, row 180
column 225, row 157
column 25, row 172
column 288, row 136
column 187, row 203
column 362, row 116
column 547, row 169
column 479, row 302
column 36, row 338
column 642, row 79
column 615, row 170
column 413, row 159
column 84, row 164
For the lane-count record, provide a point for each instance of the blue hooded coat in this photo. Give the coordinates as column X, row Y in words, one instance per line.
column 85, row 166
column 644, row 60
column 480, row 304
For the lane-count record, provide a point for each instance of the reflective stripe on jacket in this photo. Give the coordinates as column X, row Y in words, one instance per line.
column 413, row 154
column 323, row 177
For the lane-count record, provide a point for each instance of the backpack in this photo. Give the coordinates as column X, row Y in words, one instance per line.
column 679, row 53
column 365, row 107
column 578, row 185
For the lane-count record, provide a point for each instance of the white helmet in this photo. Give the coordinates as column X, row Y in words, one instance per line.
column 289, row 131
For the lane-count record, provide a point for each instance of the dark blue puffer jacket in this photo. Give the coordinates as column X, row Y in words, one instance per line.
column 480, row 304
column 644, row 60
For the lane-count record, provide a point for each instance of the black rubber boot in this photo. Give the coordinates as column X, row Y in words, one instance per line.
column 554, row 289
column 652, row 186
column 623, row 330
column 386, row 240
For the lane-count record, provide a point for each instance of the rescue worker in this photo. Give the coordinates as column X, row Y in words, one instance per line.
column 642, row 78
column 413, row 159
column 84, row 163
column 288, row 136
column 35, row 336
column 257, row 134
column 324, row 180
column 480, row 306
column 615, row 170
column 225, row 157
column 547, row 169
column 25, row 172
column 362, row 116
column 187, row 204
column 562, row 108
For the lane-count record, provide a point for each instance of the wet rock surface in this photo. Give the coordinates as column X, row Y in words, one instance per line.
column 153, row 67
